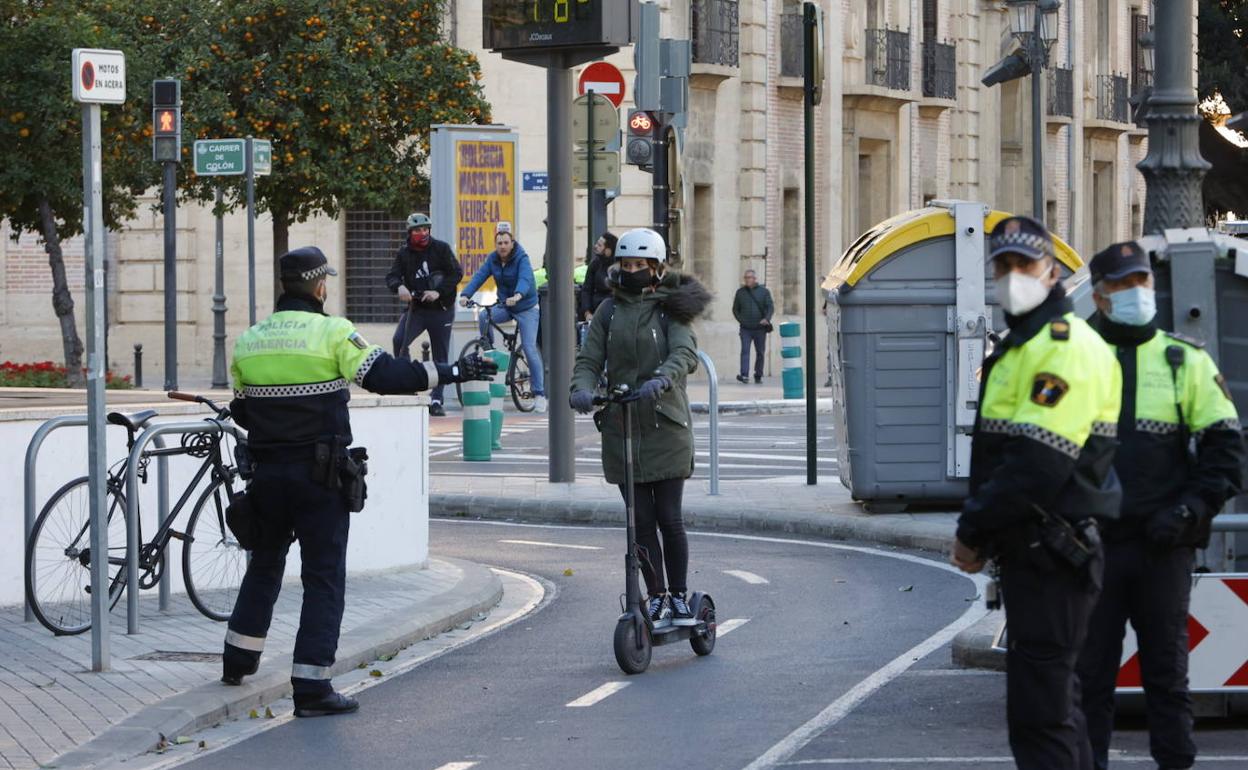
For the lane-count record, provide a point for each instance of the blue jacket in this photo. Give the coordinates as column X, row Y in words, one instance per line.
column 515, row 277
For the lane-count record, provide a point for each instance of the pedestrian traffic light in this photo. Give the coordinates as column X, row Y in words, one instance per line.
column 640, row 148
column 166, row 121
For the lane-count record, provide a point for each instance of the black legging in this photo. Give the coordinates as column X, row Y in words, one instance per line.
column 658, row 503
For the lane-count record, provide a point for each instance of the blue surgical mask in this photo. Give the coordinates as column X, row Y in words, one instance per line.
column 1133, row 307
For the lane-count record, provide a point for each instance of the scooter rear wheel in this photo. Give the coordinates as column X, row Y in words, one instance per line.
column 631, row 654
column 704, row 644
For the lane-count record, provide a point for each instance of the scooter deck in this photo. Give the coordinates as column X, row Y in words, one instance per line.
column 673, row 634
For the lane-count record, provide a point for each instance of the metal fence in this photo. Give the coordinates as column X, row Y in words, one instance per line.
column 791, row 37
column 1061, row 85
column 940, row 78
column 1111, row 98
column 888, row 58
column 373, row 237
column 715, row 32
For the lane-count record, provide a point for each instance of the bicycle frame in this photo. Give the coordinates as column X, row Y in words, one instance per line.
column 510, row 341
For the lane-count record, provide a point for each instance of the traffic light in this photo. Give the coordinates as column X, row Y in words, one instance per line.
column 640, row 148
column 166, row 121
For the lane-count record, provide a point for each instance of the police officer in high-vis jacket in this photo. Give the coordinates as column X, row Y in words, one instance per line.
column 1041, row 474
column 292, row 373
column 1174, row 400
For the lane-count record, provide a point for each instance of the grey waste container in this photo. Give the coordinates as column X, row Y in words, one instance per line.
column 909, row 313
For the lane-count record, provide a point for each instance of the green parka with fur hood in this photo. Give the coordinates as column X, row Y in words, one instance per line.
column 638, row 345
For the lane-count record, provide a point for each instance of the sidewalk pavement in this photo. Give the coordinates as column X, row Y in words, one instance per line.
column 164, row 681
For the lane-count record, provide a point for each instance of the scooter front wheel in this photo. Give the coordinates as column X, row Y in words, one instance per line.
column 631, row 653
column 704, row 643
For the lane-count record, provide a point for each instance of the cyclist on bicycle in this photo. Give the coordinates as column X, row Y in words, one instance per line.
column 509, row 266
column 643, row 339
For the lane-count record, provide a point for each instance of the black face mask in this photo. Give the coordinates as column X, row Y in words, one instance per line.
column 635, row 283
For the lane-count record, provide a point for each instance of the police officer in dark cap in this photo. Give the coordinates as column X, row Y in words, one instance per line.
column 292, row 375
column 1172, row 392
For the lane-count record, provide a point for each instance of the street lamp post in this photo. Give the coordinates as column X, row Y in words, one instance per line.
column 1173, row 169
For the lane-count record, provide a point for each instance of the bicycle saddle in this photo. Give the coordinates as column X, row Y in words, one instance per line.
column 132, row 422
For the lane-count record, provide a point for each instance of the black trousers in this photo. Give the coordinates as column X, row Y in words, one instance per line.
column 1047, row 608
column 757, row 338
column 658, row 510
column 1153, row 591
column 434, row 320
column 289, row 501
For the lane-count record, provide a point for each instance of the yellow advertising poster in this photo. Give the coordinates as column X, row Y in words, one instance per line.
column 485, row 183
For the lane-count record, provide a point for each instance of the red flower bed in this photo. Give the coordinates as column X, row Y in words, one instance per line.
column 46, row 374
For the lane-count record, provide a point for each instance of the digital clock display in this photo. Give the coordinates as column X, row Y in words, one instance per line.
column 540, row 24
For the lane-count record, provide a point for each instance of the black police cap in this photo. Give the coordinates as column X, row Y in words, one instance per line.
column 1119, row 260
column 305, row 264
column 1023, row 236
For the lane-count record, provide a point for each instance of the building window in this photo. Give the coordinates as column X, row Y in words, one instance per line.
column 888, row 58
column 1140, row 77
column 1061, row 91
column 940, row 79
column 792, row 36
column 373, row 237
column 1111, row 98
column 715, row 32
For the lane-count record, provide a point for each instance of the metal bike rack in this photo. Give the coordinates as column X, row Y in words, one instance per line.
column 713, row 408
column 153, row 433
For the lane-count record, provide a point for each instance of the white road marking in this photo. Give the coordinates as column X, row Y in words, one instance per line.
column 553, row 545
column 458, row 765
column 598, row 694
column 1138, row 759
column 749, row 577
column 728, row 626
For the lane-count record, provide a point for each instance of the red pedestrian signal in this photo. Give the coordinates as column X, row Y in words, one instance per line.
column 166, row 121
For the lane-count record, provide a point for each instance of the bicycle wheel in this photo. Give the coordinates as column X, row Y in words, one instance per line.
column 213, row 563
column 520, row 382
column 58, row 558
column 479, row 346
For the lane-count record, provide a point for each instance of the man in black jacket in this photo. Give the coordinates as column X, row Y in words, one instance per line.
column 425, row 275
column 752, row 307
column 595, row 289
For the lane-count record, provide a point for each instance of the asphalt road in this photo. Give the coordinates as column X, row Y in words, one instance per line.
column 750, row 447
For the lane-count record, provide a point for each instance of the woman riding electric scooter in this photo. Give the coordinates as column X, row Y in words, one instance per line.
column 642, row 338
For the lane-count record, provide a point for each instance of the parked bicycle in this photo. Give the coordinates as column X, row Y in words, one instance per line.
column 518, row 380
column 59, row 558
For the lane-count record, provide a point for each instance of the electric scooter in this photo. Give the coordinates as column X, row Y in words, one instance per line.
column 635, row 635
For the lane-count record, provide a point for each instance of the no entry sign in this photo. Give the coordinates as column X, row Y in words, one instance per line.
column 602, row 78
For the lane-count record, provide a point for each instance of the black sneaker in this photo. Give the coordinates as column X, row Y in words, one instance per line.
column 436, row 410
column 741, row 378
column 758, row 380
column 325, row 705
column 660, row 611
column 681, row 615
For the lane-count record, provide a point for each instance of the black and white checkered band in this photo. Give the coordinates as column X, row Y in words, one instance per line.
column 289, row 391
column 315, row 272
column 1035, row 433
column 1156, row 426
column 1233, row 425
column 1106, row 429
column 362, row 372
column 994, row 426
column 1031, row 241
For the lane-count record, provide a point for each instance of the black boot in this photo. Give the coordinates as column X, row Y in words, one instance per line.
column 325, row 705
column 233, row 676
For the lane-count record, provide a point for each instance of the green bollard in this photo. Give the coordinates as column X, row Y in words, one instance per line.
column 498, row 395
column 478, row 432
column 791, row 353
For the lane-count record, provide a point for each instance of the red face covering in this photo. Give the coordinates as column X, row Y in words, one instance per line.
column 418, row 239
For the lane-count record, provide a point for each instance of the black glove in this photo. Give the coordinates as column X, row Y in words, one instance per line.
column 654, row 387
column 1165, row 528
column 582, row 401
column 470, row 367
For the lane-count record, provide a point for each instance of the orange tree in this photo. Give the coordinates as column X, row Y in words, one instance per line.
column 345, row 89
column 41, row 136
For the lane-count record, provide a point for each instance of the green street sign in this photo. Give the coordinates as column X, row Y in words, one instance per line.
column 220, row 157
column 262, row 156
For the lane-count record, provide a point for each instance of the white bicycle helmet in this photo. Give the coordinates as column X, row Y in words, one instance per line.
column 641, row 243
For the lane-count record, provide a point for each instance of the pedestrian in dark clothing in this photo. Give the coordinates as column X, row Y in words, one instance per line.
column 752, row 307
column 425, row 275
column 595, row 288
column 646, row 342
column 1172, row 393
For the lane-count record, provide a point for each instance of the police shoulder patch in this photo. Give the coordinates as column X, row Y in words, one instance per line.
column 358, row 341
column 1047, row 389
column 1184, row 338
column 1221, row 382
column 1059, row 330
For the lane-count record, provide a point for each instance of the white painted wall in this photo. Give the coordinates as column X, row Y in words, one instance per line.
column 392, row 531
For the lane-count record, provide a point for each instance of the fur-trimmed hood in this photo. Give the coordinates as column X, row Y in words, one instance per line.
column 681, row 296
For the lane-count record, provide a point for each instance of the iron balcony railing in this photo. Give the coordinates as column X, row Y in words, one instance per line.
column 940, row 79
column 888, row 58
column 1111, row 98
column 791, row 36
column 715, row 31
column 1061, row 85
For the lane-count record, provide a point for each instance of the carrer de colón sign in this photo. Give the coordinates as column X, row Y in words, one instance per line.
column 220, row 157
